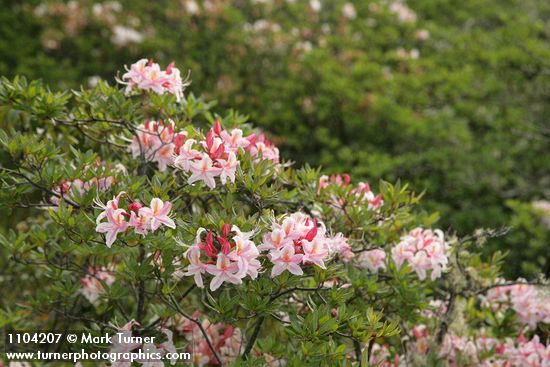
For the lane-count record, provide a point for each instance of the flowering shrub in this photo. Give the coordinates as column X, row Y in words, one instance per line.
column 381, row 88
column 195, row 231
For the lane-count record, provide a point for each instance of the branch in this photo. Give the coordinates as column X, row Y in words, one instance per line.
column 253, row 338
column 141, row 288
column 175, row 306
column 51, row 192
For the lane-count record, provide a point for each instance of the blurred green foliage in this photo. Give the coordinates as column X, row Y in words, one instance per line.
column 461, row 114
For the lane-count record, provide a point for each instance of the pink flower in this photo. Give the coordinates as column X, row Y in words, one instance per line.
column 424, row 250
column 286, row 259
column 174, row 84
column 115, row 224
column 339, row 245
column 158, row 214
column 245, row 254
column 373, row 260
column 142, row 219
column 92, row 285
column 126, row 331
column 140, row 222
column 135, row 74
column 147, row 75
column 400, row 253
column 223, row 271
column 216, row 155
column 234, row 140
column 187, row 155
column 205, row 171
column 228, row 168
column 196, row 268
column 154, row 79
column 260, row 146
column 274, row 240
column 315, row 251
column 236, row 256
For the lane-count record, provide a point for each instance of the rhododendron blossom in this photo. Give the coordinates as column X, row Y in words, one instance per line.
column 69, row 189
column 226, row 340
column 216, row 155
column 488, row 351
column 423, row 250
column 158, row 214
column 295, row 241
column 339, row 245
column 124, row 343
column 261, row 146
column 358, row 195
column 147, row 75
column 92, row 283
column 374, row 260
column 402, row 11
column 229, row 256
column 532, row 306
column 157, row 141
column 142, row 219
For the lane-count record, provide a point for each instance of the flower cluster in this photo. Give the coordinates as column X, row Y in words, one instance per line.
column 403, row 13
column 141, row 219
column 360, row 194
column 423, row 250
column 216, row 156
column 488, row 351
column 298, row 240
column 124, row 343
column 380, row 356
column 68, row 189
column 374, row 260
column 225, row 339
column 92, row 283
column 456, row 350
column 530, row 304
column 339, row 245
column 147, row 75
column 229, row 257
column 260, row 147
column 157, row 141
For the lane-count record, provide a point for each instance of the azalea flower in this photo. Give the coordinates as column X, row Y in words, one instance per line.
column 216, row 155
column 140, row 222
column 142, row 219
column 286, row 259
column 205, row 171
column 228, row 168
column 374, row 260
column 315, row 251
column 158, row 214
column 223, row 271
column 235, row 254
column 308, row 239
column 116, row 223
column 135, row 74
column 147, row 75
column 196, row 268
column 424, row 250
column 92, row 285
